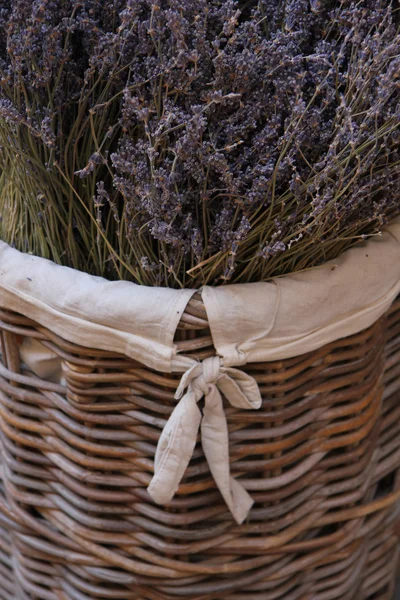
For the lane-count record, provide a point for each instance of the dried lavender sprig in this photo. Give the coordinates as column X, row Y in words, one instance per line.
column 231, row 140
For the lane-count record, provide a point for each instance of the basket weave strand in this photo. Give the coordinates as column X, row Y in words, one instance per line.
column 320, row 458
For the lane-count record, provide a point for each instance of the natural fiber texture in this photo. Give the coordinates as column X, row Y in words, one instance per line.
column 320, row 458
column 248, row 323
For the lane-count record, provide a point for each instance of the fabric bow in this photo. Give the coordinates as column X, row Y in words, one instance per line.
column 178, row 439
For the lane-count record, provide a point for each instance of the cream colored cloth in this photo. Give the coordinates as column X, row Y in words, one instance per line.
column 299, row 313
column 42, row 361
column 177, row 441
column 256, row 322
column 116, row 316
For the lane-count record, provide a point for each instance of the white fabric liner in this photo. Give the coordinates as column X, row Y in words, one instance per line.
column 116, row 316
column 286, row 317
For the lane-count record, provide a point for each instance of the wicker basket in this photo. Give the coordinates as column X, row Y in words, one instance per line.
column 321, row 459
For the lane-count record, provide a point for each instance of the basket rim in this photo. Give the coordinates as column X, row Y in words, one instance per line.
column 249, row 322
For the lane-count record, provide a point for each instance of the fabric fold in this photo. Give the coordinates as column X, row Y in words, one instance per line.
column 252, row 322
column 116, row 316
column 298, row 313
column 178, row 439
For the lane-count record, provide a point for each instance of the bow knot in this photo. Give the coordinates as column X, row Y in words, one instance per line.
column 178, row 439
column 200, row 377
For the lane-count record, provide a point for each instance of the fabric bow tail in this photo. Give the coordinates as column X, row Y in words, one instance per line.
column 178, row 439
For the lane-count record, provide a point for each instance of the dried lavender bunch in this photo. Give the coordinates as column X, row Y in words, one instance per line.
column 178, row 143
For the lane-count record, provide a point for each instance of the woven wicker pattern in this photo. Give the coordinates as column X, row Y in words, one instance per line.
column 321, row 458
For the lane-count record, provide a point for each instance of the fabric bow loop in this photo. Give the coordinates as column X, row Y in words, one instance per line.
column 178, row 439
